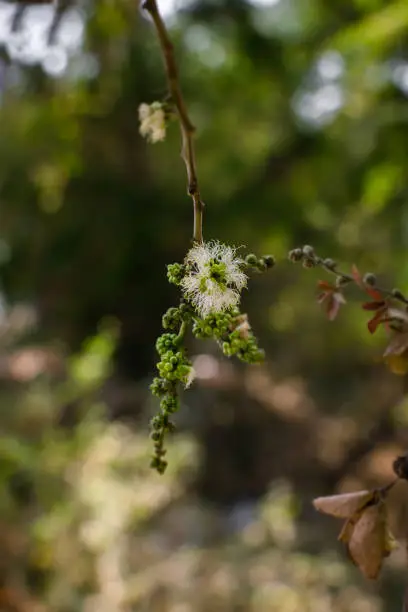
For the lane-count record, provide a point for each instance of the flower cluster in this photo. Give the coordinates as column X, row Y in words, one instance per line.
column 211, row 279
column 152, row 119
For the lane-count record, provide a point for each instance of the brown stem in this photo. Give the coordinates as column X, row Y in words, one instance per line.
column 186, row 127
column 346, row 279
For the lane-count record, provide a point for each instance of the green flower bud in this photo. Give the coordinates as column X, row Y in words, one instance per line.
column 329, row 263
column 156, row 422
column 251, row 260
column 159, row 386
column 308, row 251
column 170, row 427
column 172, row 319
column 269, row 261
column 166, row 343
column 175, row 273
column 169, row 404
column 295, row 255
column 308, row 263
column 369, row 279
column 161, row 467
column 398, row 295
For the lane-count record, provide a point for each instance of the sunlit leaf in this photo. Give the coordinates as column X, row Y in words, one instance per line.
column 370, row 541
column 365, row 532
column 397, row 364
column 344, row 505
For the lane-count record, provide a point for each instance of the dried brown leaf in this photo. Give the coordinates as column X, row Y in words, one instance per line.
column 348, row 527
column 344, row 505
column 369, row 540
column 365, row 532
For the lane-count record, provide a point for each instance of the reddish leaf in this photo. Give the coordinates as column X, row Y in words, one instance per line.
column 374, row 293
column 326, row 286
column 333, row 307
column 373, row 305
column 356, row 275
column 332, row 298
column 377, row 319
column 371, row 291
column 337, row 300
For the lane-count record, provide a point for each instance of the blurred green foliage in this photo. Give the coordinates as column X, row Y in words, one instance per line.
column 301, row 114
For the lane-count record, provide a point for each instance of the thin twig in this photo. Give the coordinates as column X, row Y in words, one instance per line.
column 187, row 128
column 329, row 265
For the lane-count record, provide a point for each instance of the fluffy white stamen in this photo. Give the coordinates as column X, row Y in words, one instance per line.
column 215, row 280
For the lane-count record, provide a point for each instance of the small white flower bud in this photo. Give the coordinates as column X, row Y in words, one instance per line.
column 152, row 122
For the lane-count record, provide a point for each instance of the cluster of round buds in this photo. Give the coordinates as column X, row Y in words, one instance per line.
column 175, row 273
column 216, row 325
column 160, row 425
column 174, row 368
column 174, row 317
column 306, row 255
column 260, row 263
column 233, row 333
column 242, row 342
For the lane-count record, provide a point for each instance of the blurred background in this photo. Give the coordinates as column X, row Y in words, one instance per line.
column 302, row 137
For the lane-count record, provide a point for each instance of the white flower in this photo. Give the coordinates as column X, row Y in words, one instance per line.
column 215, row 278
column 152, row 122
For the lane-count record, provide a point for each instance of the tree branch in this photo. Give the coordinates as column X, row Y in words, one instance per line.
column 187, row 128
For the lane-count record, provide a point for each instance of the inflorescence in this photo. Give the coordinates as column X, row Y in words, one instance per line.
column 211, row 279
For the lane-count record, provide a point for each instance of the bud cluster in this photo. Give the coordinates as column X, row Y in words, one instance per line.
column 173, row 367
column 260, row 263
column 233, row 333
